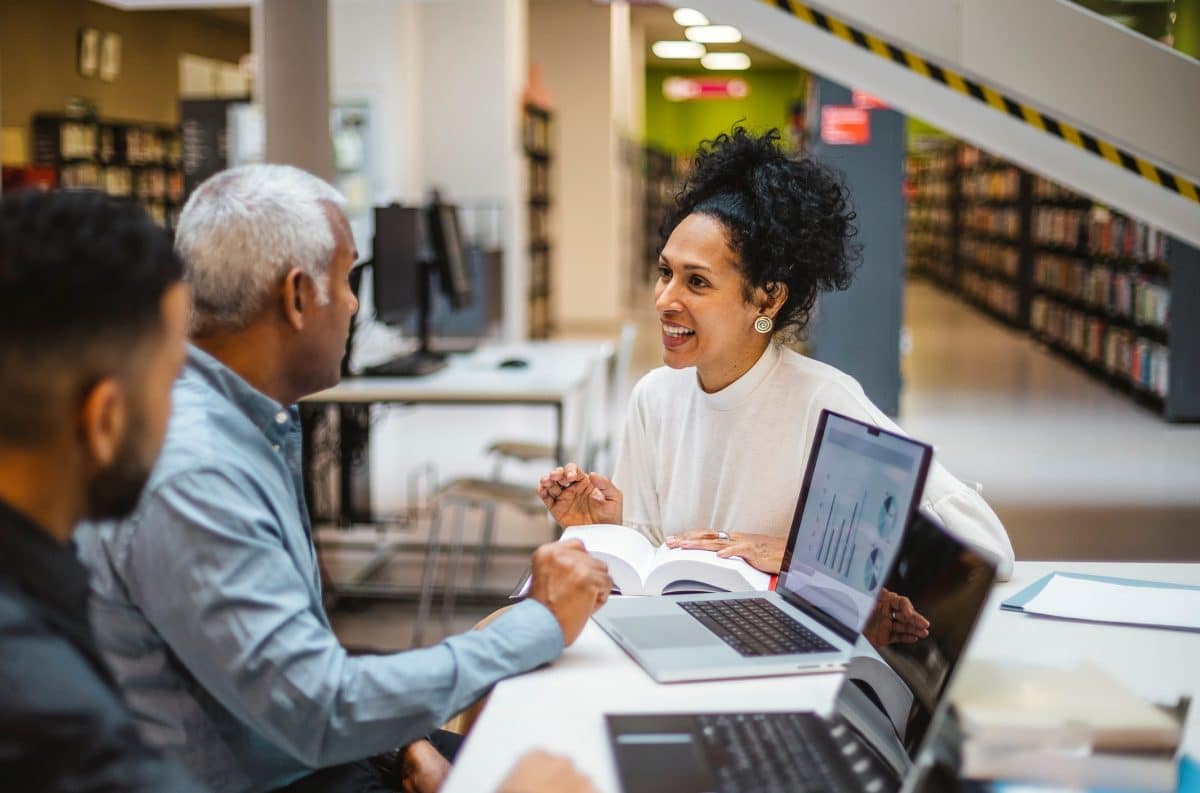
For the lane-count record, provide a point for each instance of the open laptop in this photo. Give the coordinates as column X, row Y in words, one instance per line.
column 864, row 743
column 861, row 489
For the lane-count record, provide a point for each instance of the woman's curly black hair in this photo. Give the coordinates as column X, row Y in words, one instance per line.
column 788, row 221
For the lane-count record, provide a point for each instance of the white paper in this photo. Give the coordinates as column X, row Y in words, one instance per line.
column 1100, row 601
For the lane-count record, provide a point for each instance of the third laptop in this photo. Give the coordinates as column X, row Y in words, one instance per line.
column 859, row 493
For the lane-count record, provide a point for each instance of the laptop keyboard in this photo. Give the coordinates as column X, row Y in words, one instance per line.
column 787, row 753
column 754, row 626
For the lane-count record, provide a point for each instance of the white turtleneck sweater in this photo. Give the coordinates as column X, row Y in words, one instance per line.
column 735, row 460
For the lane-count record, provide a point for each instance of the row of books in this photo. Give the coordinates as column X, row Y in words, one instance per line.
column 996, row 185
column 1123, row 293
column 1060, row 227
column 153, row 184
column 1046, row 190
column 994, row 221
column 1118, row 351
column 1113, row 234
column 999, row 296
column 971, row 157
column 129, row 144
column 931, row 217
column 1002, row 259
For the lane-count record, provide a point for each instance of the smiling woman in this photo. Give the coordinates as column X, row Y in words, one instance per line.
column 716, row 442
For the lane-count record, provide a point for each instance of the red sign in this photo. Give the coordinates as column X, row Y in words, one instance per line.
column 867, row 101
column 683, row 89
column 845, row 126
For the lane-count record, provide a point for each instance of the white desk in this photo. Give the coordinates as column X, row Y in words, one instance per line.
column 561, row 708
column 556, row 372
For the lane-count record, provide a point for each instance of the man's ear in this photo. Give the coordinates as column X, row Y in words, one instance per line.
column 103, row 417
column 294, row 297
column 772, row 299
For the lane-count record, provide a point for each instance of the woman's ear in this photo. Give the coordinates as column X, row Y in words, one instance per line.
column 293, row 298
column 773, row 295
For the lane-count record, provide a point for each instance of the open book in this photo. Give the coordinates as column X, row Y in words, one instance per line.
column 638, row 568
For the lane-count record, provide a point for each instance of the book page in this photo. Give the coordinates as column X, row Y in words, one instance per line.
column 627, row 553
column 721, row 575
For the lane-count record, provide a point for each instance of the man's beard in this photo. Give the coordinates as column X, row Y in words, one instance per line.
column 113, row 493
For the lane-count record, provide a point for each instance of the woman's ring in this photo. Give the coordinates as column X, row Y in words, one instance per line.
column 893, row 615
column 723, row 535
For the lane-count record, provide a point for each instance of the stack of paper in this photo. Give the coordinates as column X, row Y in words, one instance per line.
column 1075, row 726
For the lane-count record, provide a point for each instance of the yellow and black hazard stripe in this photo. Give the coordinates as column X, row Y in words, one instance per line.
column 992, row 97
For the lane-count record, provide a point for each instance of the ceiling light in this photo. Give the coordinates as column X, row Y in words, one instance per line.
column 688, row 17
column 726, row 61
column 677, row 49
column 714, row 34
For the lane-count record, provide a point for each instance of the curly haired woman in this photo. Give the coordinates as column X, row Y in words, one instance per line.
column 716, row 442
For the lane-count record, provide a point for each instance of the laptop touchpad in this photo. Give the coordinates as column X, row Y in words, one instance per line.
column 666, row 632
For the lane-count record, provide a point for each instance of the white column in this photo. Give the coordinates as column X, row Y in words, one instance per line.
column 571, row 42
column 291, row 42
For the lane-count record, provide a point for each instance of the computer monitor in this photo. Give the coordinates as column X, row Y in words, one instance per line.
column 397, row 263
column 449, row 253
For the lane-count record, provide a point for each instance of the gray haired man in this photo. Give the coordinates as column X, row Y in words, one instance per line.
column 207, row 601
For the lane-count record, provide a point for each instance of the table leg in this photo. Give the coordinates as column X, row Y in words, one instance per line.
column 559, row 451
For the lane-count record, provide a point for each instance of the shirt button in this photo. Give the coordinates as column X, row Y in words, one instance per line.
column 281, row 417
column 275, row 446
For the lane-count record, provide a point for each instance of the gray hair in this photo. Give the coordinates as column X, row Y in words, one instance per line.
column 242, row 230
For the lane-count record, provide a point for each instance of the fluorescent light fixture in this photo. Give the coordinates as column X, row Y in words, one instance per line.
column 726, row 61
column 714, row 34
column 689, row 17
column 677, row 49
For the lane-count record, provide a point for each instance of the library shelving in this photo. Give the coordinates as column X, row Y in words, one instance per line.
column 660, row 180
column 930, row 231
column 538, row 152
column 1107, row 291
column 123, row 158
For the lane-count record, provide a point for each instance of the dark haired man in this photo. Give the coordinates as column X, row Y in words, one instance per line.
column 92, row 327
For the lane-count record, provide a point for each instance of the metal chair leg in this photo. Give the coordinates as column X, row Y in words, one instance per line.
column 428, row 572
column 485, row 543
column 454, row 567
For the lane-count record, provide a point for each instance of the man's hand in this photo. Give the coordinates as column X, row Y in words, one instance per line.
column 575, row 498
column 894, row 621
column 571, row 583
column 423, row 767
column 762, row 551
column 539, row 772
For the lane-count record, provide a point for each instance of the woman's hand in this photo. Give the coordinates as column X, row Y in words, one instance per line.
column 577, row 499
column 894, row 621
column 759, row 550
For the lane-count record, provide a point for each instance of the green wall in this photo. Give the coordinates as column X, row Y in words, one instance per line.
column 678, row 127
column 1187, row 27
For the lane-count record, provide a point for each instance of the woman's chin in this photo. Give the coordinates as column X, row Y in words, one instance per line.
column 677, row 359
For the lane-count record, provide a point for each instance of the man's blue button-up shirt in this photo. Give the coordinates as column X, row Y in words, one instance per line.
column 206, row 603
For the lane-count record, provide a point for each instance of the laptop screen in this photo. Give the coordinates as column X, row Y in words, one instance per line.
column 947, row 584
column 859, row 492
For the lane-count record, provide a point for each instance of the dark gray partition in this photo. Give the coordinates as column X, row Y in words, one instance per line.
column 1183, row 389
column 858, row 330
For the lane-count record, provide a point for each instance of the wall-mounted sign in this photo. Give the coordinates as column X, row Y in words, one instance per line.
column 686, row 89
column 867, row 101
column 842, row 125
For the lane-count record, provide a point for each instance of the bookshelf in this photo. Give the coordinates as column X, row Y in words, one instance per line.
column 1104, row 290
column 931, row 231
column 130, row 159
column 539, row 158
column 661, row 182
